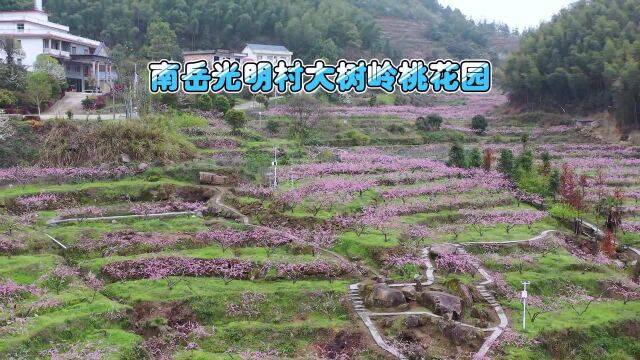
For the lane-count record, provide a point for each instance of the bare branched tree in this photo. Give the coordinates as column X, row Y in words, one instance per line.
column 10, row 51
column 306, row 111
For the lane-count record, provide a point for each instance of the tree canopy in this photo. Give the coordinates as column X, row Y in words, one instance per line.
column 586, row 58
column 310, row 28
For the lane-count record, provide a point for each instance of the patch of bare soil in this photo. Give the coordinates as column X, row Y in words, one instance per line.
column 151, row 319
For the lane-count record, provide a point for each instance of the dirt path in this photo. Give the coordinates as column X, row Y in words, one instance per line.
column 217, row 200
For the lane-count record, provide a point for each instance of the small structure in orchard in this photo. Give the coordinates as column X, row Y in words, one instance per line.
column 586, row 123
column 209, row 178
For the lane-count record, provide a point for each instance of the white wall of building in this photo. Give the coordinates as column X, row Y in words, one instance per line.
column 36, row 35
column 32, row 47
column 32, row 27
column 271, row 56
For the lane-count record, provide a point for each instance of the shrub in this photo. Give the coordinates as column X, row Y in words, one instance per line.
column 505, row 164
column 101, row 102
column 533, row 182
column 563, row 211
column 235, row 118
column 479, row 123
column 373, row 100
column 273, row 126
column 232, row 101
column 396, row 129
column 221, row 104
column 204, row 102
column 525, row 161
column 261, row 99
column 188, row 121
column 7, row 98
column 356, row 138
column 475, row 158
column 431, row 123
column 249, row 134
column 457, row 156
column 88, row 103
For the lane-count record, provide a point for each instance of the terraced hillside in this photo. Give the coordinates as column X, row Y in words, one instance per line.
column 410, row 38
column 380, row 241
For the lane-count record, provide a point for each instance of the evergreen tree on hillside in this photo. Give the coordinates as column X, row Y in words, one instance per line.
column 311, row 29
column 162, row 42
column 586, row 58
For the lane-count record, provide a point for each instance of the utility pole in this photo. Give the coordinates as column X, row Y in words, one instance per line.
column 524, row 303
column 275, row 166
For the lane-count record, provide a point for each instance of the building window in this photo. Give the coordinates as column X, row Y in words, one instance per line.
column 86, row 51
column 20, row 27
column 77, row 68
column 19, row 44
column 45, row 43
column 73, row 50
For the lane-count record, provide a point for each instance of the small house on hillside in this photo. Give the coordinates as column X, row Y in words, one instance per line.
column 212, row 56
column 87, row 62
column 271, row 53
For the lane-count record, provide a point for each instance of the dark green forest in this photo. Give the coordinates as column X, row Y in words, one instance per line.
column 585, row 59
column 312, row 29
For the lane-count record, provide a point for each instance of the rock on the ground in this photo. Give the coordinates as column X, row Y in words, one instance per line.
column 211, row 178
column 467, row 296
column 459, row 334
column 409, row 293
column 442, row 249
column 481, row 314
column 386, row 297
column 143, row 166
column 441, row 303
column 125, row 158
column 413, row 321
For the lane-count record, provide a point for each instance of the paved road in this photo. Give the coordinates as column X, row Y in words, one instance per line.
column 71, row 101
column 254, row 106
column 85, row 117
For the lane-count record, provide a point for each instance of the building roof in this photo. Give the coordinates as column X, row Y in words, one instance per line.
column 214, row 52
column 268, row 48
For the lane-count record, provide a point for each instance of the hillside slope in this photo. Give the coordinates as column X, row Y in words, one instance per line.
column 585, row 59
column 409, row 38
column 329, row 29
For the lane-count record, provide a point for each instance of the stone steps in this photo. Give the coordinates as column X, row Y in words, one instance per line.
column 356, row 298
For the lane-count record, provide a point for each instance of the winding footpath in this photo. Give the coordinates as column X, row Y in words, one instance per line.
column 496, row 331
column 217, row 200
